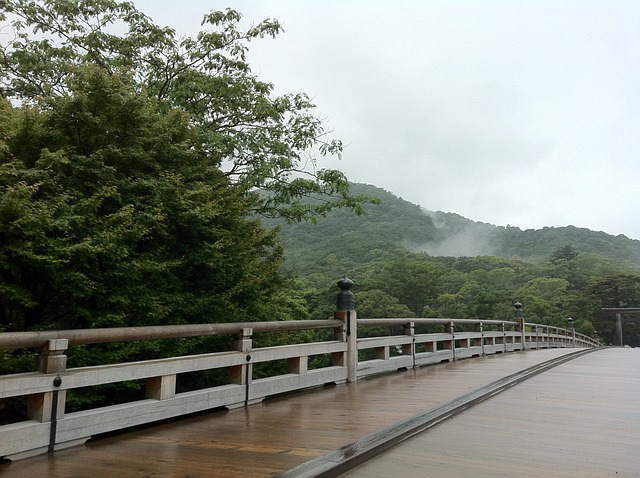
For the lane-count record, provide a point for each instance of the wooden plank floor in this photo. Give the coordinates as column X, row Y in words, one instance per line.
column 280, row 433
column 580, row 419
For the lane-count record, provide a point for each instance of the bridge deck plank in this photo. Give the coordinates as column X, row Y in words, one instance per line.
column 580, row 419
column 279, row 434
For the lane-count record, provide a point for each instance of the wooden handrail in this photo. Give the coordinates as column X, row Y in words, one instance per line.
column 14, row 340
column 393, row 321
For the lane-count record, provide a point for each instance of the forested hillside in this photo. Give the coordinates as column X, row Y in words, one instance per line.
column 411, row 262
column 396, row 224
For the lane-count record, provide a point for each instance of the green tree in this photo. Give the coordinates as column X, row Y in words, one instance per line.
column 482, row 301
column 547, row 300
column 376, row 303
column 131, row 166
column 450, row 305
column 410, row 278
column 258, row 141
column 565, row 253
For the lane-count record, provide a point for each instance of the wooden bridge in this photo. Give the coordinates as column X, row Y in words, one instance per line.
column 364, row 411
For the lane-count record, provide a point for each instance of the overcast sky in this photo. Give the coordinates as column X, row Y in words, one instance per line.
column 510, row 112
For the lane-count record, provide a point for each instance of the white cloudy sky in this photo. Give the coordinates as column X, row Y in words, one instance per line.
column 506, row 111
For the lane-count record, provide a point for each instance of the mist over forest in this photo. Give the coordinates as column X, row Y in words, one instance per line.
column 408, row 261
column 397, row 222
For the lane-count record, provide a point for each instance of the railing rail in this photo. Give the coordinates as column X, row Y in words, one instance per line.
column 50, row 427
column 394, row 321
column 14, row 340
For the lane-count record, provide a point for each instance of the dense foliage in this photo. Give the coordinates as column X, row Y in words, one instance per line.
column 259, row 141
column 132, row 164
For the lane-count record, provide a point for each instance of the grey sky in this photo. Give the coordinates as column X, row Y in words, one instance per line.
column 511, row 112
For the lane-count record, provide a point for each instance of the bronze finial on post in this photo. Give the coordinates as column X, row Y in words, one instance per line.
column 346, row 312
column 346, row 300
column 521, row 323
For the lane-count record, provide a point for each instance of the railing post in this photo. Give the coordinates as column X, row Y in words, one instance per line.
column 619, row 329
column 521, row 324
column 572, row 329
column 298, row 365
column 52, row 358
column 547, row 337
column 452, row 330
column 49, row 406
column 504, row 337
column 382, row 353
column 410, row 349
column 346, row 312
column 243, row 374
column 482, row 338
column 161, row 388
column 339, row 359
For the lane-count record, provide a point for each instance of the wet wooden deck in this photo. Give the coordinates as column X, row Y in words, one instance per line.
column 283, row 432
column 580, row 419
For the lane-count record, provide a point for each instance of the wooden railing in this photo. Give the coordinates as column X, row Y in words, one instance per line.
column 492, row 337
column 49, row 427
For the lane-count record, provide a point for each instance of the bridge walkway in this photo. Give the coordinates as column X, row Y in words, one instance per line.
column 282, row 432
column 579, row 419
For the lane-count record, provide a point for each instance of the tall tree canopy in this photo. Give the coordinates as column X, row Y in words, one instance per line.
column 112, row 214
column 259, row 141
column 133, row 164
column 131, row 160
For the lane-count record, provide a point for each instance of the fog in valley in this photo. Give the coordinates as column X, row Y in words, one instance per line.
column 521, row 113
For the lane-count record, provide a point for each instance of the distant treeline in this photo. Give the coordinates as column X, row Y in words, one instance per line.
column 555, row 272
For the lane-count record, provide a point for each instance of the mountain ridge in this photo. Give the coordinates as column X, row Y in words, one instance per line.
column 398, row 224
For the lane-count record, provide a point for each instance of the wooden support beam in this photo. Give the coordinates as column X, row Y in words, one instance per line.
column 161, row 388
column 382, row 353
column 298, row 365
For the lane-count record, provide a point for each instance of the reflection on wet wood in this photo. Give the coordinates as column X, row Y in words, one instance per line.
column 280, row 433
column 580, row 419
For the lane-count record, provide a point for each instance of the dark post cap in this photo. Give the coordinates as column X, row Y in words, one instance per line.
column 345, row 283
column 519, row 312
column 345, row 300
